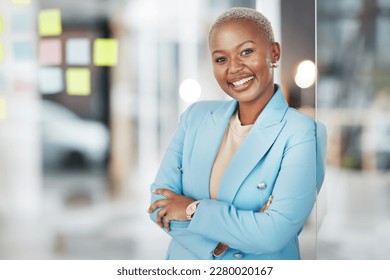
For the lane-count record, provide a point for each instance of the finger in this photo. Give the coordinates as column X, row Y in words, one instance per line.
column 160, row 216
column 166, row 223
column 265, row 207
column 269, row 201
column 165, row 192
column 157, row 204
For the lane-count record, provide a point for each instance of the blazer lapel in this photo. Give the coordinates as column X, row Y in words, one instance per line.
column 251, row 151
column 206, row 145
column 256, row 144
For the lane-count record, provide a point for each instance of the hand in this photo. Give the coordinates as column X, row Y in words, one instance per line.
column 267, row 205
column 173, row 207
column 222, row 247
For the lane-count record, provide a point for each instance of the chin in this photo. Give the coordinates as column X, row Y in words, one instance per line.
column 244, row 96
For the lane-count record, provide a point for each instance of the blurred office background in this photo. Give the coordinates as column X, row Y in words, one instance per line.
column 354, row 102
column 91, row 92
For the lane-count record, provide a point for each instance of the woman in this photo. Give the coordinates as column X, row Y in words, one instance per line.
column 239, row 178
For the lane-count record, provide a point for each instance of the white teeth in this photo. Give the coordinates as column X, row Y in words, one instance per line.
column 243, row 81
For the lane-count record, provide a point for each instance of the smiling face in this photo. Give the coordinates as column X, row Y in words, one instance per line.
column 241, row 57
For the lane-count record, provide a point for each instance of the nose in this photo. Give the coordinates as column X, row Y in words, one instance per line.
column 235, row 66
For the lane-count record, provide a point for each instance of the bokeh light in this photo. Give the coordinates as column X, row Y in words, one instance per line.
column 306, row 74
column 190, row 90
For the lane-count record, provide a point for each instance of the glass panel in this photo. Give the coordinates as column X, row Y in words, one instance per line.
column 354, row 104
column 90, row 94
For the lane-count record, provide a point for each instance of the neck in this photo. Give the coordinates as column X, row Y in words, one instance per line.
column 248, row 112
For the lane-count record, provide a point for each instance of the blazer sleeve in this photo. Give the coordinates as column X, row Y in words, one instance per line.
column 321, row 146
column 267, row 232
column 169, row 177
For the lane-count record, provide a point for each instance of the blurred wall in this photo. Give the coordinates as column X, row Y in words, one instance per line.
column 20, row 153
column 298, row 44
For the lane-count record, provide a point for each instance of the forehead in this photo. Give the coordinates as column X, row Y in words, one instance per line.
column 234, row 32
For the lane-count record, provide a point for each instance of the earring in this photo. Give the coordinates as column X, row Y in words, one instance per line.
column 274, row 64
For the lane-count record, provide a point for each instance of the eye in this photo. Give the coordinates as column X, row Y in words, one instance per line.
column 246, row 52
column 221, row 59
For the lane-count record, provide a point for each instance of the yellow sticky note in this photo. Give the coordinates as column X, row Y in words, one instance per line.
column 78, row 81
column 105, row 52
column 1, row 52
column 1, row 24
column 49, row 22
column 21, row 1
column 3, row 108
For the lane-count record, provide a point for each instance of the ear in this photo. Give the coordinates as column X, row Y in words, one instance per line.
column 275, row 48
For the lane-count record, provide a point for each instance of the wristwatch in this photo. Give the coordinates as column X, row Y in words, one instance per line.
column 190, row 211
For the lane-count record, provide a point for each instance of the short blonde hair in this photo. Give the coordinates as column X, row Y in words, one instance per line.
column 241, row 13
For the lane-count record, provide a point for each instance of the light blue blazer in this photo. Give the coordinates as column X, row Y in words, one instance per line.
column 283, row 155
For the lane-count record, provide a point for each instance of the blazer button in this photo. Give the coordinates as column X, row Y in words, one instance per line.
column 238, row 255
column 261, row 186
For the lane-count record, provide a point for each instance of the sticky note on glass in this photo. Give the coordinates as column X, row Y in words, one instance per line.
column 78, row 81
column 1, row 52
column 21, row 1
column 50, row 80
column 105, row 52
column 50, row 52
column 3, row 108
column 21, row 23
column 78, row 51
column 23, row 51
column 49, row 22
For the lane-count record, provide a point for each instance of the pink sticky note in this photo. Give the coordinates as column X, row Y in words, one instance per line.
column 50, row 52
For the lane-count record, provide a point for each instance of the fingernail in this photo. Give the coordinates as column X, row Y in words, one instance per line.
column 153, row 191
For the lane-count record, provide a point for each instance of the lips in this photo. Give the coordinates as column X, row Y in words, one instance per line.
column 242, row 81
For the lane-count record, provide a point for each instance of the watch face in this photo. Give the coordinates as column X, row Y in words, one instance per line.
column 191, row 209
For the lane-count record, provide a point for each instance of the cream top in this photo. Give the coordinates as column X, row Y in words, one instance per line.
column 234, row 135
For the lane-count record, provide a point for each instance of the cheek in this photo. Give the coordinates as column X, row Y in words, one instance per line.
column 261, row 68
column 259, row 63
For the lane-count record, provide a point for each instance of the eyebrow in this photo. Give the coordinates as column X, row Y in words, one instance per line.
column 239, row 45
